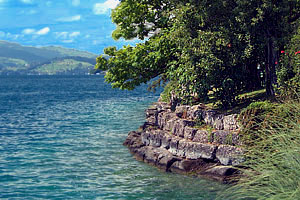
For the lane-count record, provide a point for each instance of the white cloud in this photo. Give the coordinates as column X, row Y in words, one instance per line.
column 28, row 31
column 75, row 2
column 27, row 1
column 74, row 34
column 31, row 31
column 102, row 8
column 67, row 37
column 70, row 19
column 43, row 31
column 62, row 35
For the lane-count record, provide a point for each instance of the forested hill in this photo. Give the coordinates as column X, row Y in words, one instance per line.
column 18, row 59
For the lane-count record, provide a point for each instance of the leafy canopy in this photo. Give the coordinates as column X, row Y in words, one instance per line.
column 199, row 46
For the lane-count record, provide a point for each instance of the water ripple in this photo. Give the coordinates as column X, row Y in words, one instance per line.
column 61, row 138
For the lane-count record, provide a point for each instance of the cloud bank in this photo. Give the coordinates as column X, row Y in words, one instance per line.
column 103, row 8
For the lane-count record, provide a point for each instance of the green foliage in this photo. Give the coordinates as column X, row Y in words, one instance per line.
column 229, row 139
column 289, row 69
column 272, row 170
column 166, row 94
column 203, row 46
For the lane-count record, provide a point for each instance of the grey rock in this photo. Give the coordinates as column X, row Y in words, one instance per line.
column 189, row 132
column 202, row 136
column 218, row 122
column 230, row 122
column 162, row 106
column 170, row 124
column 181, row 151
column 221, row 171
column 222, row 137
column 226, row 137
column 229, row 155
column 133, row 140
column 196, row 112
column 179, row 126
column 206, row 151
column 163, row 118
column 145, row 137
column 174, row 145
column 199, row 150
column 150, row 112
column 152, row 120
column 186, row 165
column 165, row 142
column 181, row 111
column 209, row 117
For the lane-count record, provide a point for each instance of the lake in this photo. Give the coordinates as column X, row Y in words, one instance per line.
column 61, row 138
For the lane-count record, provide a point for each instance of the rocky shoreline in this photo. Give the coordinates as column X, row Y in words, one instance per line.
column 190, row 140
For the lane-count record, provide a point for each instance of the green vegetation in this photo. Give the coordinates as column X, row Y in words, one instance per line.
column 243, row 56
column 70, row 52
column 65, row 66
column 12, row 64
column 273, row 154
column 204, row 49
column 17, row 59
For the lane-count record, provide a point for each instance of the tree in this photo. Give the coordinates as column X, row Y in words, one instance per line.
column 199, row 46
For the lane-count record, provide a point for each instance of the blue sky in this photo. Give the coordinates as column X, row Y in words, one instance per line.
column 80, row 24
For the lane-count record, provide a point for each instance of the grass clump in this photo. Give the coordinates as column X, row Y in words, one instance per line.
column 272, row 166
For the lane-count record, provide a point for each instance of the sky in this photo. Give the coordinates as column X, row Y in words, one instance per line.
column 79, row 24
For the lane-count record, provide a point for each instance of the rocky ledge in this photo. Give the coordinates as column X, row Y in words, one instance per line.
column 176, row 141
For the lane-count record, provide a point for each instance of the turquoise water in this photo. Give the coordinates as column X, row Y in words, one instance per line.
column 61, row 138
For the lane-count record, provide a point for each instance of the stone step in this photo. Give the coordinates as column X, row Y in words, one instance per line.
column 226, row 154
column 161, row 115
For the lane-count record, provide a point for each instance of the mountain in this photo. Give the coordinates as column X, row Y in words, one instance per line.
column 18, row 59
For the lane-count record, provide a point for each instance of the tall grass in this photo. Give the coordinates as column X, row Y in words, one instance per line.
column 272, row 167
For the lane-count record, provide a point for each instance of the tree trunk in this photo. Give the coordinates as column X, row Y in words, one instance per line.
column 270, row 66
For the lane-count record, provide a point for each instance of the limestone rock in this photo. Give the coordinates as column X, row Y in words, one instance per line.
column 174, row 146
column 199, row 150
column 170, row 124
column 218, row 122
column 165, row 142
column 226, row 137
column 209, row 117
column 229, row 155
column 222, row 137
column 189, row 132
column 133, row 140
column 181, row 111
column 179, row 126
column 196, row 112
column 230, row 122
column 202, row 136
column 181, row 151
